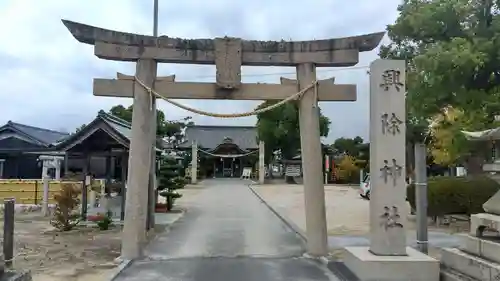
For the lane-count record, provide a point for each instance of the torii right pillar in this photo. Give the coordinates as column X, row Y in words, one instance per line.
column 310, row 143
column 388, row 258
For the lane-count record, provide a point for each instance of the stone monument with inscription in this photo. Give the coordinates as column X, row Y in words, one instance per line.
column 388, row 257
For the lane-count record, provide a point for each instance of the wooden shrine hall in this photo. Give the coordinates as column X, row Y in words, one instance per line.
column 223, row 150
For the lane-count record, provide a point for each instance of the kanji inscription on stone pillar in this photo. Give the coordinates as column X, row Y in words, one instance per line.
column 387, row 158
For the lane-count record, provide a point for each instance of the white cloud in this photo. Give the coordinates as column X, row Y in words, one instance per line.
column 47, row 75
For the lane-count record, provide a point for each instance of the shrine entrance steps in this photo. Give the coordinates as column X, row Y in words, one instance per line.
column 477, row 260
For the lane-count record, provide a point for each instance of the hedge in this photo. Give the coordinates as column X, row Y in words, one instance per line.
column 456, row 195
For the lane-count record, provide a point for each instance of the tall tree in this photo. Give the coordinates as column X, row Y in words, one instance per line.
column 279, row 129
column 351, row 147
column 173, row 131
column 451, row 49
column 449, row 145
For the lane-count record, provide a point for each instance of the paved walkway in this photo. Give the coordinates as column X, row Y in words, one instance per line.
column 226, row 234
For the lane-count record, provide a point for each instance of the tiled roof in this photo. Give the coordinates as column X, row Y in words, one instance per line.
column 211, row 136
column 120, row 126
column 123, row 127
column 44, row 136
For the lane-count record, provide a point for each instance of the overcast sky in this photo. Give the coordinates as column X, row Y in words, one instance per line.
column 46, row 75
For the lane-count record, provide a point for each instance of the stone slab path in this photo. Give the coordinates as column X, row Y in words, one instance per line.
column 227, row 233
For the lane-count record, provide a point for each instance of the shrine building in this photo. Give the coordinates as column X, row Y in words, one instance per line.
column 223, row 151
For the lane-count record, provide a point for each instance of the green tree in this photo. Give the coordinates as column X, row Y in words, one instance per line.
column 351, row 147
column 355, row 150
column 170, row 180
column 452, row 52
column 122, row 112
column 172, row 130
column 279, row 129
column 451, row 49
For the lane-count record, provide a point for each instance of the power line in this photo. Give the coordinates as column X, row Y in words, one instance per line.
column 284, row 73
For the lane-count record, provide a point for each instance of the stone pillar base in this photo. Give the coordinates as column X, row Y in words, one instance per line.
column 369, row 267
column 17, row 275
column 479, row 222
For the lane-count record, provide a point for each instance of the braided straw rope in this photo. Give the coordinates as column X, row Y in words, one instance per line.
column 228, row 115
column 228, row 155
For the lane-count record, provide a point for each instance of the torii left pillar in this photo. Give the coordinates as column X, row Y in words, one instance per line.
column 139, row 164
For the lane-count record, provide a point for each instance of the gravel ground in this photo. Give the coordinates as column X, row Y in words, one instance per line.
column 347, row 213
column 84, row 253
column 52, row 255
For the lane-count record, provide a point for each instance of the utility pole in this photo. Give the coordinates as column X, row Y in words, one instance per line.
column 421, row 196
column 150, row 219
column 155, row 18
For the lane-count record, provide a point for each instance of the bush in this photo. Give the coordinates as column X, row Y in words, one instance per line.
column 170, row 180
column 456, row 195
column 65, row 215
column 347, row 171
column 103, row 221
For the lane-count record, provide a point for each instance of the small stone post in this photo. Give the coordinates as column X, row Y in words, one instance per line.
column 93, row 199
column 85, row 183
column 194, row 162
column 139, row 163
column 8, row 232
column 314, row 191
column 45, row 169
column 124, row 163
column 262, row 165
column 57, row 163
column 45, row 200
column 2, row 161
column 66, row 163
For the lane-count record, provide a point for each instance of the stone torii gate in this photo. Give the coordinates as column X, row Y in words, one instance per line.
column 228, row 55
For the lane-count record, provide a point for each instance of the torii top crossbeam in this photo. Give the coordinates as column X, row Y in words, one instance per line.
column 123, row 46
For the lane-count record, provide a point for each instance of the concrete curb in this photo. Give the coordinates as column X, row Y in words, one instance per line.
column 283, row 218
column 124, row 264
column 169, row 225
column 121, row 267
column 329, row 262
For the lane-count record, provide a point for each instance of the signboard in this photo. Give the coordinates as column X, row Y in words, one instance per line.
column 293, row 171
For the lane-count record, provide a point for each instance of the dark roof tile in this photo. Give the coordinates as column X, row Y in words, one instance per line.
column 45, row 136
column 121, row 126
column 211, row 136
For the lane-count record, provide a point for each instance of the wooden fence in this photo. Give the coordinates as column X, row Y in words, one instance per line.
column 31, row 191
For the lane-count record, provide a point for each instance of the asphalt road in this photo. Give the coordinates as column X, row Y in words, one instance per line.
column 227, row 234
